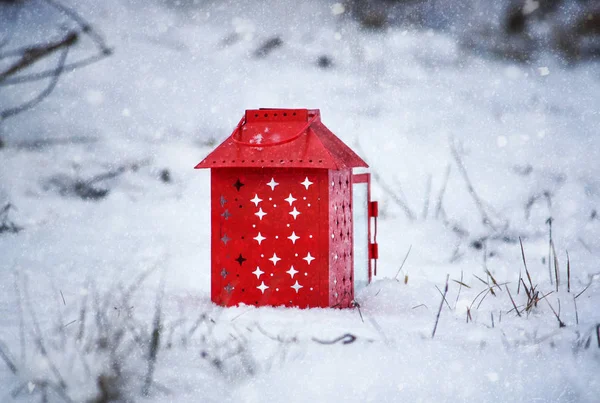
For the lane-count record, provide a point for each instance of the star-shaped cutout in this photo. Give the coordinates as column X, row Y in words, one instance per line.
column 290, row 199
column 228, row 288
column 274, row 259
column 226, row 214
column 224, row 273
column 240, row 259
column 297, row 286
column 292, row 271
column 262, row 287
column 306, row 183
column 294, row 213
column 308, row 258
column 260, row 213
column 222, row 200
column 272, row 184
column 259, row 238
column 225, row 239
column 257, row 272
column 293, row 237
column 256, row 200
column 238, row 185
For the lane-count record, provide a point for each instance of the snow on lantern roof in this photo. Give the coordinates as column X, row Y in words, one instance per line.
column 269, row 138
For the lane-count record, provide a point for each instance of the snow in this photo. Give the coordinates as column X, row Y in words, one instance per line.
column 180, row 78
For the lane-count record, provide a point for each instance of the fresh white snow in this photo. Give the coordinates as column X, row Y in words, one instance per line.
column 181, row 76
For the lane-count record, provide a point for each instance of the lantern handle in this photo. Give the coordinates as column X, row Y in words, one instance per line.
column 275, row 143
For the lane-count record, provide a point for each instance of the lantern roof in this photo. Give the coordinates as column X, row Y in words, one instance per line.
column 282, row 138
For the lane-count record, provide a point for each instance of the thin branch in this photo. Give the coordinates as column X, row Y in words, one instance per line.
column 67, row 68
column 85, row 26
column 40, row 97
column 33, row 54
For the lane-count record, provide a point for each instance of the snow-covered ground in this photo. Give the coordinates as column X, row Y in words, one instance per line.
column 178, row 82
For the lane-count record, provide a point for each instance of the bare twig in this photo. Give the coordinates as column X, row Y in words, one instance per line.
column 33, row 54
column 347, row 338
column 576, row 312
column 6, row 358
column 67, row 68
column 42, row 95
column 85, row 26
column 441, row 306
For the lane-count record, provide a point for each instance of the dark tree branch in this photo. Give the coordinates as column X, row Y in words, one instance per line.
column 34, row 54
column 40, row 97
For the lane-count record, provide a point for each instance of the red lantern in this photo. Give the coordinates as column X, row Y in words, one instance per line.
column 291, row 222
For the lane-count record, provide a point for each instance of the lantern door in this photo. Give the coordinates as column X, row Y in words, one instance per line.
column 364, row 230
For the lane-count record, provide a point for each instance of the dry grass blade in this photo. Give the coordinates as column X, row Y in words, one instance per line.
column 480, row 279
column 443, row 297
column 5, row 357
column 560, row 322
column 155, row 337
column 525, row 264
column 478, row 202
column 576, row 312
column 395, row 197
column 461, row 283
column 556, row 269
column 493, row 279
column 404, row 261
column 584, row 290
column 568, row 273
column 440, row 197
column 549, row 222
column 513, row 301
column 441, row 306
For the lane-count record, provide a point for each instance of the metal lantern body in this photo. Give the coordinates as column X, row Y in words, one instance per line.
column 283, row 216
